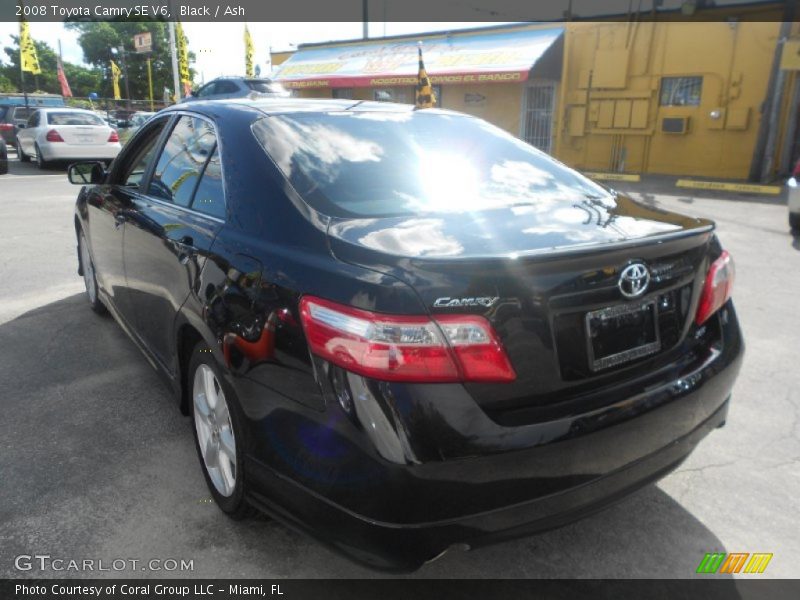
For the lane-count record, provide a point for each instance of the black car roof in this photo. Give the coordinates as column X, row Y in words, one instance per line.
column 274, row 106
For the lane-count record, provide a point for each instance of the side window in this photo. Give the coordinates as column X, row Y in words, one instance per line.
column 210, row 196
column 181, row 162
column 681, row 91
column 136, row 165
column 33, row 120
column 226, row 87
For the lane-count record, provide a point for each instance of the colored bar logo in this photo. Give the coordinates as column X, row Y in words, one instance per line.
column 735, row 562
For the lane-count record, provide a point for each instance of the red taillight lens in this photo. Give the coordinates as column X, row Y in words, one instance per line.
column 53, row 136
column 717, row 288
column 114, row 137
column 6, row 126
column 405, row 348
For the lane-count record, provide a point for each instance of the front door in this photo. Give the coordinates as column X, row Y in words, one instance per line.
column 170, row 231
column 109, row 209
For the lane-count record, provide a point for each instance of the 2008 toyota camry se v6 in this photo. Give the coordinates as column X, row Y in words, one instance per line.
column 402, row 330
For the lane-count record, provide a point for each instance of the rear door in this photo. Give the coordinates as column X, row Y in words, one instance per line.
column 26, row 136
column 171, row 228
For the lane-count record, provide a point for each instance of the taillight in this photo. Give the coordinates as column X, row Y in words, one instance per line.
column 717, row 288
column 449, row 348
column 114, row 137
column 53, row 136
column 6, row 126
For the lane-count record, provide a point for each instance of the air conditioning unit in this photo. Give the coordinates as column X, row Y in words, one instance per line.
column 675, row 125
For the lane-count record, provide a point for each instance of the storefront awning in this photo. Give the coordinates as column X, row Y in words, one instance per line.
column 496, row 57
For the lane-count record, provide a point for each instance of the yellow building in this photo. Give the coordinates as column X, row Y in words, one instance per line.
column 671, row 97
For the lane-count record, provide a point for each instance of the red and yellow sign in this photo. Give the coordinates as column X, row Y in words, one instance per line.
column 488, row 58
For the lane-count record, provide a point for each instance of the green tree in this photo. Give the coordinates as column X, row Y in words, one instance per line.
column 97, row 38
column 82, row 81
column 6, row 85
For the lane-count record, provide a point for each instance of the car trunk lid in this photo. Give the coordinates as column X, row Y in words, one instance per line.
column 537, row 274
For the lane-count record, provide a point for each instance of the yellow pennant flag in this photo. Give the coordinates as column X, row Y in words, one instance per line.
column 115, row 73
column 183, row 59
column 27, row 50
column 249, row 51
column 425, row 98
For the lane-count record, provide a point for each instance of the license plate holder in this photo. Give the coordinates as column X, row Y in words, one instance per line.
column 621, row 333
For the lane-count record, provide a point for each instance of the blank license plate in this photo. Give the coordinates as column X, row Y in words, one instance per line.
column 619, row 334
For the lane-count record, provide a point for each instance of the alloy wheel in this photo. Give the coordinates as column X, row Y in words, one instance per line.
column 212, row 421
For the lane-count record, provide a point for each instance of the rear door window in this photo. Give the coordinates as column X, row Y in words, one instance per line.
column 186, row 151
column 210, row 195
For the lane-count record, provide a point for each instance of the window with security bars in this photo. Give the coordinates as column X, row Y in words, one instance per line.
column 681, row 91
column 539, row 106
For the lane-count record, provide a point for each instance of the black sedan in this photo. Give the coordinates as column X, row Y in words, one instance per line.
column 402, row 330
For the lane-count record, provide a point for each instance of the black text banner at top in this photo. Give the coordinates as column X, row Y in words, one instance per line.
column 382, row 11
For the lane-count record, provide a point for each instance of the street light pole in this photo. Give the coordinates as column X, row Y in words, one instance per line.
column 174, row 53
column 125, row 73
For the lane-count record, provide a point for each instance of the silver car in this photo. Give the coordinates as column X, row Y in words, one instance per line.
column 67, row 134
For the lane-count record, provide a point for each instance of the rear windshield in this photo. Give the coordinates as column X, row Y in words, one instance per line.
column 73, row 118
column 265, row 87
column 400, row 163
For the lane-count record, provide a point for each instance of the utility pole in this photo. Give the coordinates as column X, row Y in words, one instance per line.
column 365, row 17
column 174, row 53
column 763, row 159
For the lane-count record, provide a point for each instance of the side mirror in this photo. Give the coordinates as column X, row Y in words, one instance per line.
column 21, row 126
column 86, row 173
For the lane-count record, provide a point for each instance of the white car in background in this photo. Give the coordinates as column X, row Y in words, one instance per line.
column 66, row 134
column 794, row 198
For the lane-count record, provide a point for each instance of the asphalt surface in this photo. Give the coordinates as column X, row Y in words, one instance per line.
column 96, row 461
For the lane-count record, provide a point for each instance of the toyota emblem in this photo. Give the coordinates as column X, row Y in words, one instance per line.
column 633, row 280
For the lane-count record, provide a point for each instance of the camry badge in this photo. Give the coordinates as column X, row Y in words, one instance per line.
column 633, row 280
column 448, row 302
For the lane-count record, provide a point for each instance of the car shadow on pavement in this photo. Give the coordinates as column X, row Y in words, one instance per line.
column 98, row 462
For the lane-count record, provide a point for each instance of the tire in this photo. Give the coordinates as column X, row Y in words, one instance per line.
column 22, row 156
column 219, row 436
column 40, row 161
column 794, row 222
column 89, row 277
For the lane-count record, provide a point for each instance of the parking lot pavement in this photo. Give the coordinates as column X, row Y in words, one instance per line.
column 96, row 461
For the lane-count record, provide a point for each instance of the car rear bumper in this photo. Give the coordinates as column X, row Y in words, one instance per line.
column 61, row 151
column 507, row 482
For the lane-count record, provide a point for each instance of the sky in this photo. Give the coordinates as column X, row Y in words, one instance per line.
column 219, row 47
